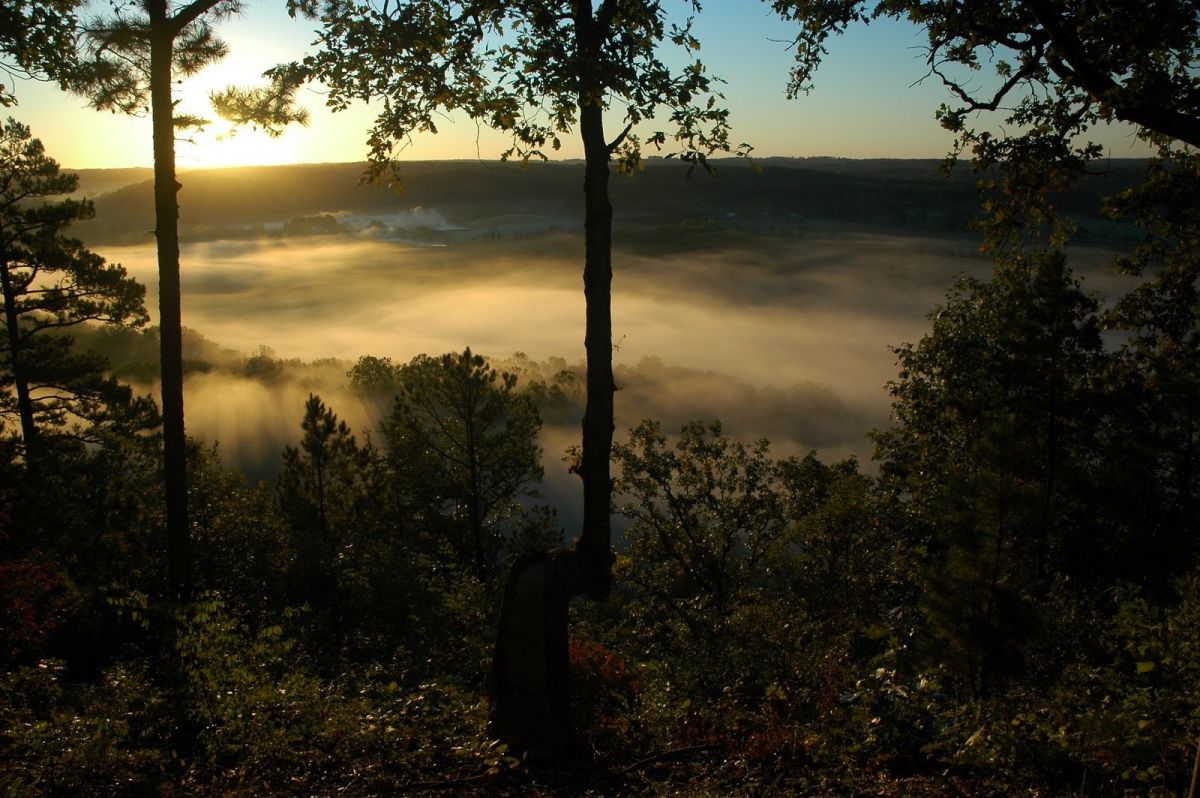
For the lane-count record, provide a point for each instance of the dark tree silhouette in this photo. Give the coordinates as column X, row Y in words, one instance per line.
column 319, row 480
column 462, row 443
column 51, row 283
column 1068, row 64
column 1063, row 68
column 534, row 70
column 323, row 491
column 995, row 413
column 127, row 63
column 37, row 40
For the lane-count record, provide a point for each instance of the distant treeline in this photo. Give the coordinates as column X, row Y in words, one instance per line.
column 771, row 195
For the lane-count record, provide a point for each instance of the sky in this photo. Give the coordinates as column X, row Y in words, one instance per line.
column 869, row 101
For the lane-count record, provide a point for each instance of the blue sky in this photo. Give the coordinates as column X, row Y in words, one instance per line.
column 864, row 103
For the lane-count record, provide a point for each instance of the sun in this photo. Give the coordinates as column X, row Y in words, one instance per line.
column 219, row 143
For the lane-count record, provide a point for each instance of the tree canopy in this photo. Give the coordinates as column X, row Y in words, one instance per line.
column 462, row 442
column 1009, row 606
column 1059, row 66
column 521, row 68
column 37, row 40
column 51, row 283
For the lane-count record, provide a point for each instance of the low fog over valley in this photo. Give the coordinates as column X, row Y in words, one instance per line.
column 766, row 299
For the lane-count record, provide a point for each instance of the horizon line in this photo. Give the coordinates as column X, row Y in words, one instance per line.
column 532, row 162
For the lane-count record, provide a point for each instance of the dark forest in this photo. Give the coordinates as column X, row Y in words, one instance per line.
column 609, row 570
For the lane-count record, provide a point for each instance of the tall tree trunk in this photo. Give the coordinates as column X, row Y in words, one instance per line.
column 166, row 230
column 595, row 545
column 530, row 682
column 16, row 358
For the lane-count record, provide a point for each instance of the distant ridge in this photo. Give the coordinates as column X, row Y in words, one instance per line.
column 894, row 192
column 97, row 182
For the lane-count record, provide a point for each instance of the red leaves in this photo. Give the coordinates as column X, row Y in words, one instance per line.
column 31, row 602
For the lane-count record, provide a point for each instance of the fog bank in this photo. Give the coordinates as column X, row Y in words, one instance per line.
column 781, row 336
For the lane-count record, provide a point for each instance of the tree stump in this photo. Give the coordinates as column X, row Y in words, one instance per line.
column 531, row 680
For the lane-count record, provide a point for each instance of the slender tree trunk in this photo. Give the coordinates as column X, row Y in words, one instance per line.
column 166, row 230
column 16, row 356
column 530, row 682
column 595, row 545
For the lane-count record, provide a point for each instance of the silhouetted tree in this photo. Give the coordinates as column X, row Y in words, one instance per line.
column 1156, row 374
column 1062, row 69
column 991, row 451
column 320, row 483
column 243, row 548
column 536, row 71
column 707, row 517
column 354, row 556
column 51, row 283
column 377, row 381
column 746, row 575
column 37, row 40
column 375, row 377
column 703, row 555
column 1086, row 63
column 323, row 491
column 462, row 443
column 128, row 61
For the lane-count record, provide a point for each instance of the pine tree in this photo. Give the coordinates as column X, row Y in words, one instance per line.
column 52, row 283
column 462, row 443
column 129, row 62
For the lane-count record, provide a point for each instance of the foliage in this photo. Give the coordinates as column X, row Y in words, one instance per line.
column 830, row 666
column 1157, row 369
column 375, row 376
column 114, row 61
column 52, row 283
column 37, row 39
column 706, row 532
column 989, row 454
column 747, row 572
column 328, row 494
column 242, row 549
column 259, row 722
column 32, row 601
column 462, row 448
column 321, row 481
column 377, row 381
column 374, row 580
column 1156, row 671
column 604, row 695
column 518, row 67
column 1060, row 69
column 1011, row 607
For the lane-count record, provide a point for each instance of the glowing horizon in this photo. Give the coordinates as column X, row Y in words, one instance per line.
column 869, row 101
